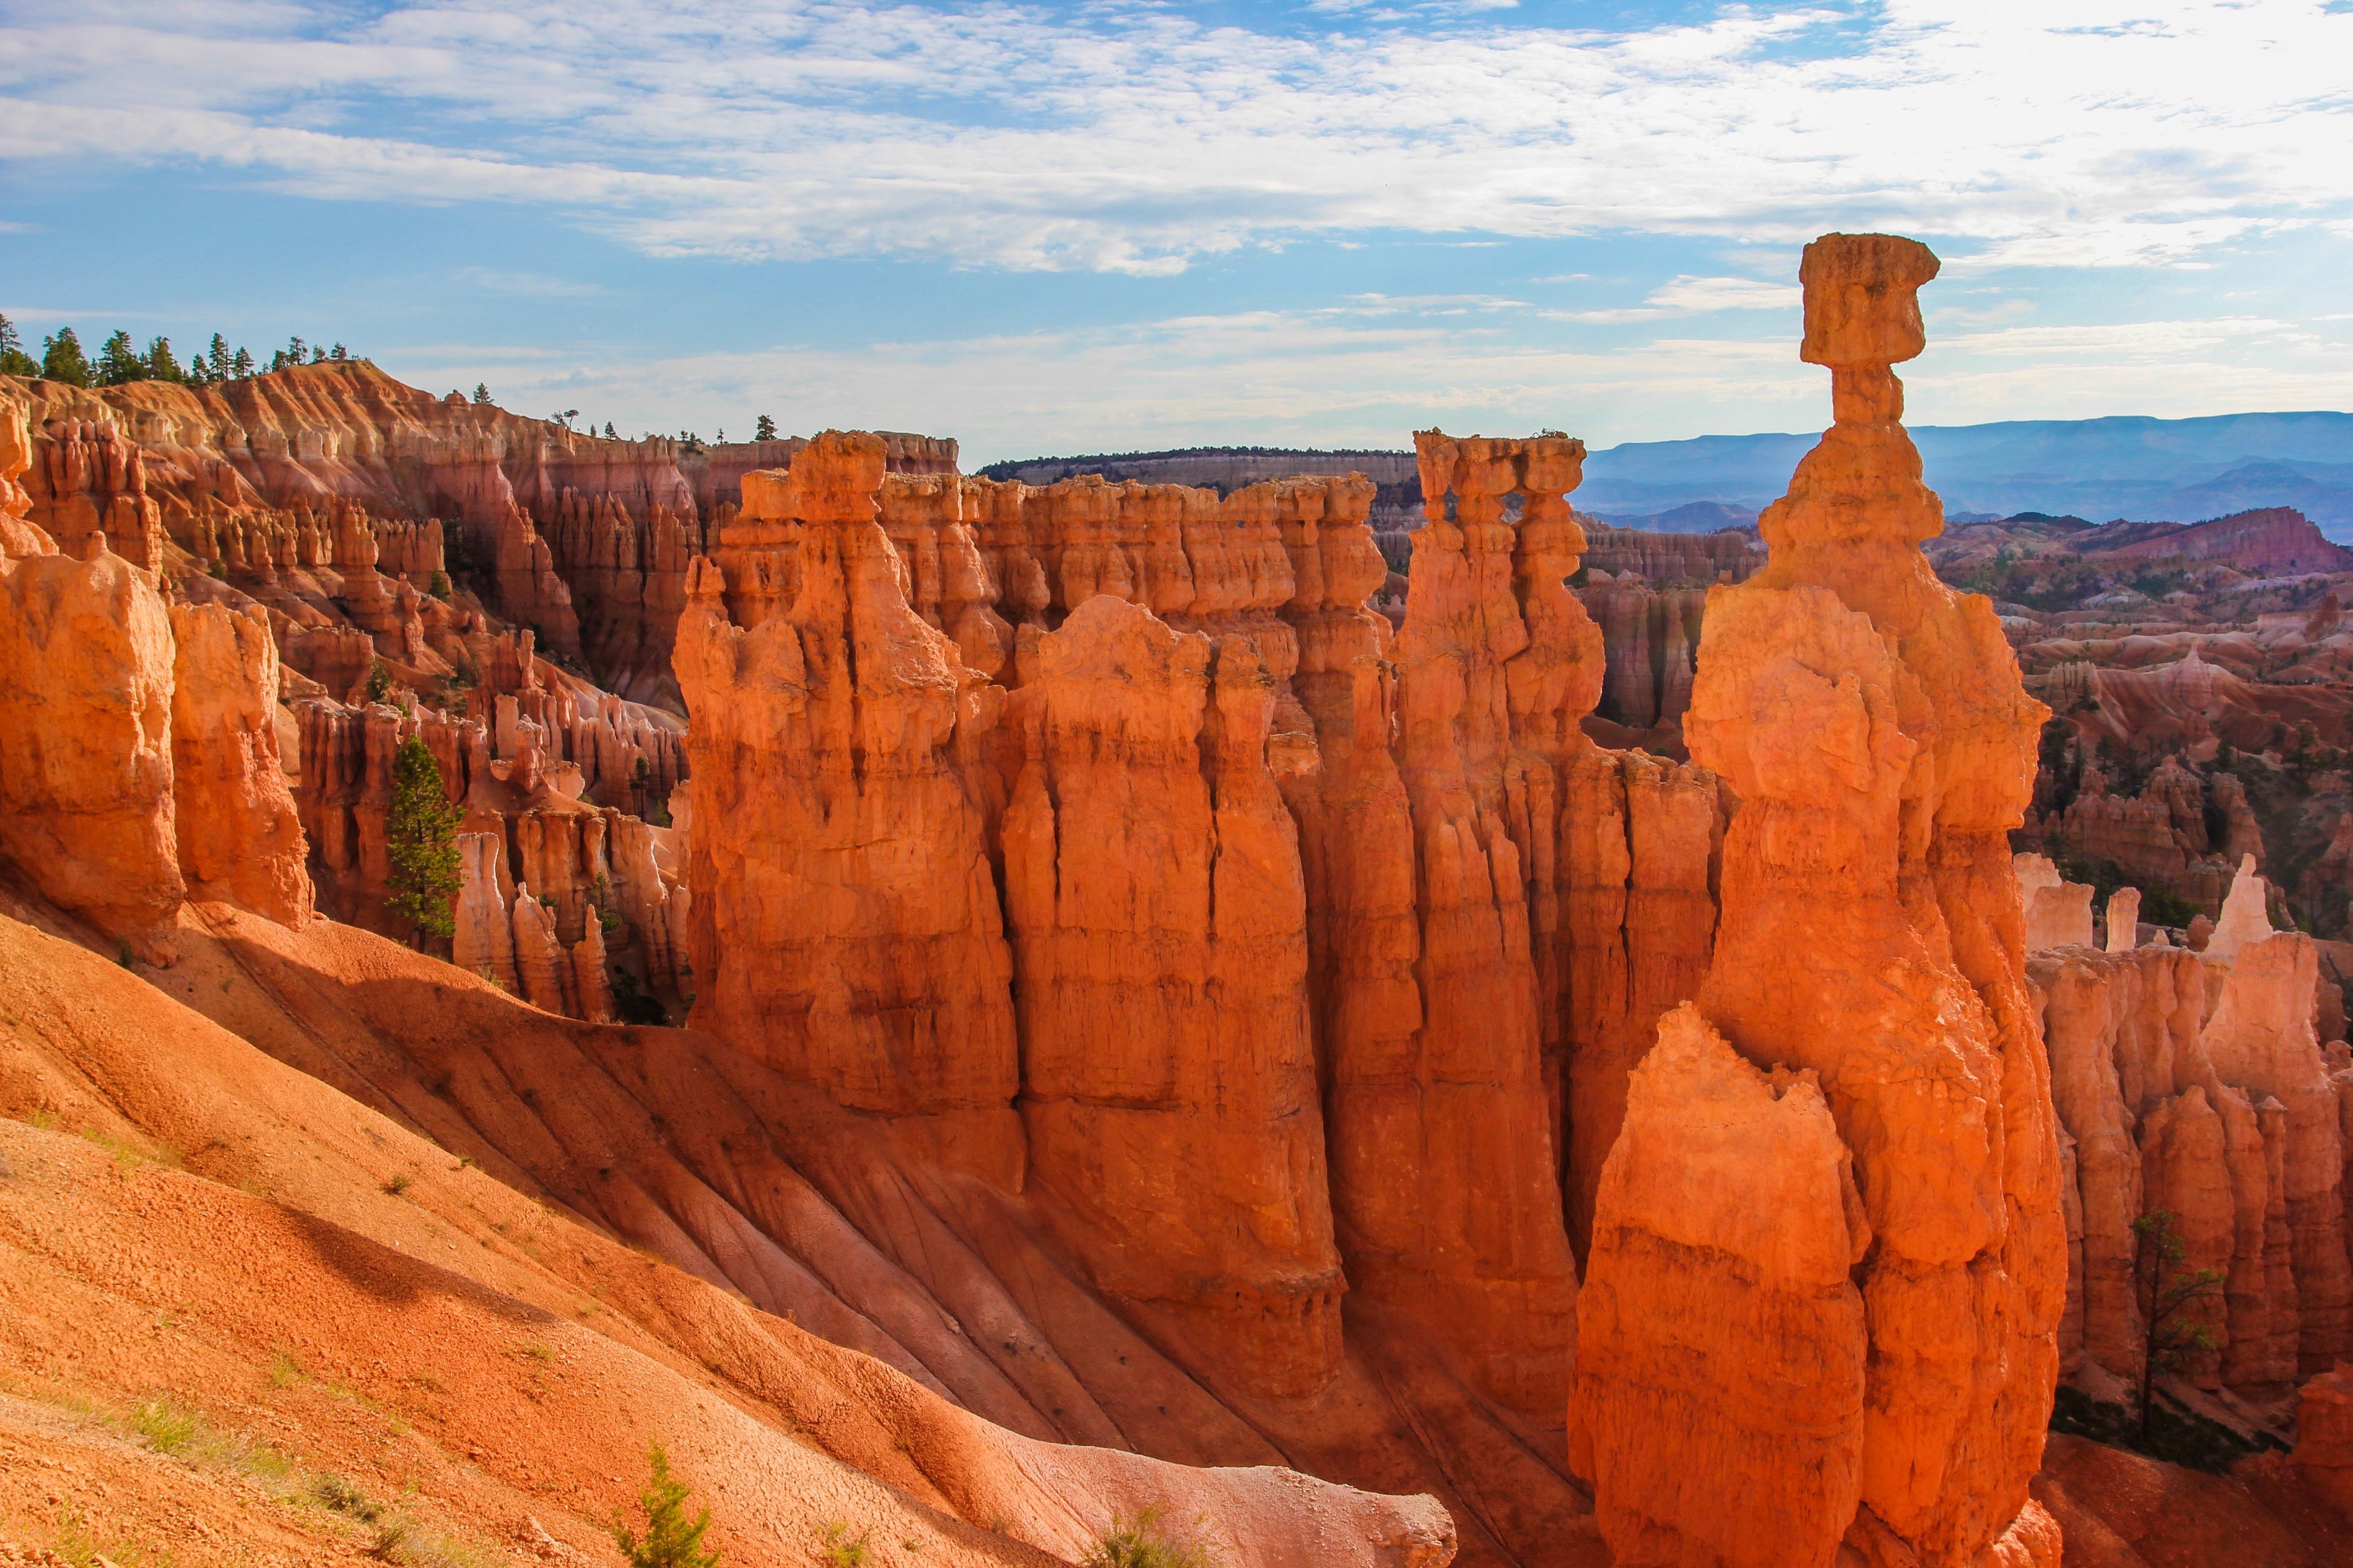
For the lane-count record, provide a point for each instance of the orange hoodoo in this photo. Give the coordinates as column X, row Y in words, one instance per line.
column 1870, row 1366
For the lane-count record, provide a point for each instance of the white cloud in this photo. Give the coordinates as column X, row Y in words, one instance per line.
column 1689, row 296
column 1133, row 138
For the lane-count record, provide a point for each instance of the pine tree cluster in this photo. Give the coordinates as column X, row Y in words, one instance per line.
column 120, row 361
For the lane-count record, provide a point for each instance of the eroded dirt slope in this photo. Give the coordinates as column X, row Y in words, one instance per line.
column 222, row 1280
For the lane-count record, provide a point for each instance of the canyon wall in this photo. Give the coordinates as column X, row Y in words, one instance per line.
column 1866, row 1027
column 1211, row 871
column 2194, row 1085
column 585, row 540
column 139, row 754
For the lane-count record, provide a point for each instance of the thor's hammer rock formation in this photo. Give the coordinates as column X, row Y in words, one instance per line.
column 1872, row 723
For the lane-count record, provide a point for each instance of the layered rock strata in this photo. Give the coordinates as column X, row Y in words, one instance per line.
column 841, row 803
column 139, row 746
column 586, row 860
column 1444, row 914
column 2195, row 1084
column 586, row 540
column 85, row 797
column 1154, row 896
column 240, row 838
column 1873, row 726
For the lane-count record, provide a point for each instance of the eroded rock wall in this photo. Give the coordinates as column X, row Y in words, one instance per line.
column 1328, row 887
column 240, row 840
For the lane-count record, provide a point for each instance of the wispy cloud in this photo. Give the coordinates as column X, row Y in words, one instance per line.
column 1689, row 296
column 532, row 285
column 1137, row 138
column 1344, row 377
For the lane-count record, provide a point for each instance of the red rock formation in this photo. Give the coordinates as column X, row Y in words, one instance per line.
column 2260, row 1039
column 2324, row 1436
column 1417, row 1080
column 88, row 478
column 2197, row 1086
column 484, row 943
column 238, row 836
column 1730, row 1218
column 1651, row 637
column 18, row 535
column 1873, row 726
column 1159, row 920
column 2058, row 912
column 1671, row 560
column 86, row 810
column 859, row 943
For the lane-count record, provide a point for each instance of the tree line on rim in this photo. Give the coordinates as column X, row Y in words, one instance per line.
column 119, row 362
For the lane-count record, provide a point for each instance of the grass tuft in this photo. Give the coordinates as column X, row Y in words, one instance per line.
column 1142, row 1541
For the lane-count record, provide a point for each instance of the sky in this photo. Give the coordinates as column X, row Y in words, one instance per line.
column 1057, row 228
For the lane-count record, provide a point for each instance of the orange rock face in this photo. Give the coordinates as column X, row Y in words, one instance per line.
column 2196, row 1086
column 1729, row 1215
column 239, row 838
column 86, row 811
column 859, row 941
column 1873, row 726
column 1154, row 894
column 2324, row 1436
column 1298, row 860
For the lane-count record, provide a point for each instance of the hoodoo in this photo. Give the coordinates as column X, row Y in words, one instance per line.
column 1751, row 1399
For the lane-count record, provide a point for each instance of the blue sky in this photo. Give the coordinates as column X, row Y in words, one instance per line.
column 1063, row 228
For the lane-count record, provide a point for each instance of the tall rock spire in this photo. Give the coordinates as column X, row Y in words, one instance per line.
column 1872, row 723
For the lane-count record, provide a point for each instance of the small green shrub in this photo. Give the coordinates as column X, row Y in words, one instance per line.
column 399, row 1184
column 441, row 589
column 671, row 1540
column 841, row 1550
column 1142, row 1541
column 167, row 1428
column 330, row 1491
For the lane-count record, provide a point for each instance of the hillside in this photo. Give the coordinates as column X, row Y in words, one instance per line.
column 343, row 1319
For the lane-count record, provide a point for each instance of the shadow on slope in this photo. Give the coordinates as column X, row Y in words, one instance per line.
column 250, row 1243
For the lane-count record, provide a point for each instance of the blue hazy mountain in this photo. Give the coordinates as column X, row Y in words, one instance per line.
column 2145, row 470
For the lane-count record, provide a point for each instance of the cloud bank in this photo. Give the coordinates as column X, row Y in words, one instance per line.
column 1125, row 136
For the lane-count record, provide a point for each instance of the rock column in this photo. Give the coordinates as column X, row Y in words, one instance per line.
column 1871, row 724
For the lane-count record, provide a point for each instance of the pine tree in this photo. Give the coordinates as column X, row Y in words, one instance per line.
column 242, row 366
column 295, row 349
column 421, row 842
column 317, row 355
column 481, row 392
column 669, row 1541
column 2167, row 1294
column 341, row 353
column 61, row 359
column 14, row 360
column 217, row 358
column 766, row 431
column 120, row 365
column 161, row 364
column 608, row 431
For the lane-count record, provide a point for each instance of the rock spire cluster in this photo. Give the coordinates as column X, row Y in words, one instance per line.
column 1100, row 838
column 139, row 753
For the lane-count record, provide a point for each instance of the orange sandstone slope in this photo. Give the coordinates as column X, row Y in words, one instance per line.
column 188, row 1227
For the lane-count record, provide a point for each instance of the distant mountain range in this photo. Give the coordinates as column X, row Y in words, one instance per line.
column 2140, row 470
